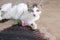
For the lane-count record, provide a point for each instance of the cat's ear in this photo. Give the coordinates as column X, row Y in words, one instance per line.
column 35, row 5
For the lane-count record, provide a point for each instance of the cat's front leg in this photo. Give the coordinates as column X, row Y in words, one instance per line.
column 33, row 26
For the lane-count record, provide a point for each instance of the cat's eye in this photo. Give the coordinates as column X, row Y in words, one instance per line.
column 32, row 24
column 37, row 10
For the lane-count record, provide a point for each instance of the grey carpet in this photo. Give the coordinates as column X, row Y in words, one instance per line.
column 18, row 32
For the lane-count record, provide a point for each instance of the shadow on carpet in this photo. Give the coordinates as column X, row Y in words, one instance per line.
column 20, row 33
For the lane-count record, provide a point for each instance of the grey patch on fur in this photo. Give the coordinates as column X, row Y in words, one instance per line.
column 35, row 5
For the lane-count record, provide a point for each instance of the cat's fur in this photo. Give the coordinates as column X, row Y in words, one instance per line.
column 21, row 12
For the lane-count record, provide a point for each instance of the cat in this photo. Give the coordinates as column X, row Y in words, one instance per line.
column 21, row 12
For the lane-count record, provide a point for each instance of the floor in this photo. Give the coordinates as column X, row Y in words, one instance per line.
column 50, row 17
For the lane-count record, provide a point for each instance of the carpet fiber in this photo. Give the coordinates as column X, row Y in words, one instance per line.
column 16, row 32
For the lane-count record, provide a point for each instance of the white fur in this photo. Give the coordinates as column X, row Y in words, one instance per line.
column 31, row 18
column 16, row 11
column 11, row 13
column 5, row 8
column 37, row 16
column 21, row 12
column 22, row 7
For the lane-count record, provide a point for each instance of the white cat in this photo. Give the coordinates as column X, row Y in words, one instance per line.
column 31, row 17
column 21, row 12
column 16, row 11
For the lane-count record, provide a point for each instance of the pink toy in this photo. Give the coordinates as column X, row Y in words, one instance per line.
column 24, row 23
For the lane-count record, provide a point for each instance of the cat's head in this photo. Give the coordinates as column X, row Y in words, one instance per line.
column 35, row 9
